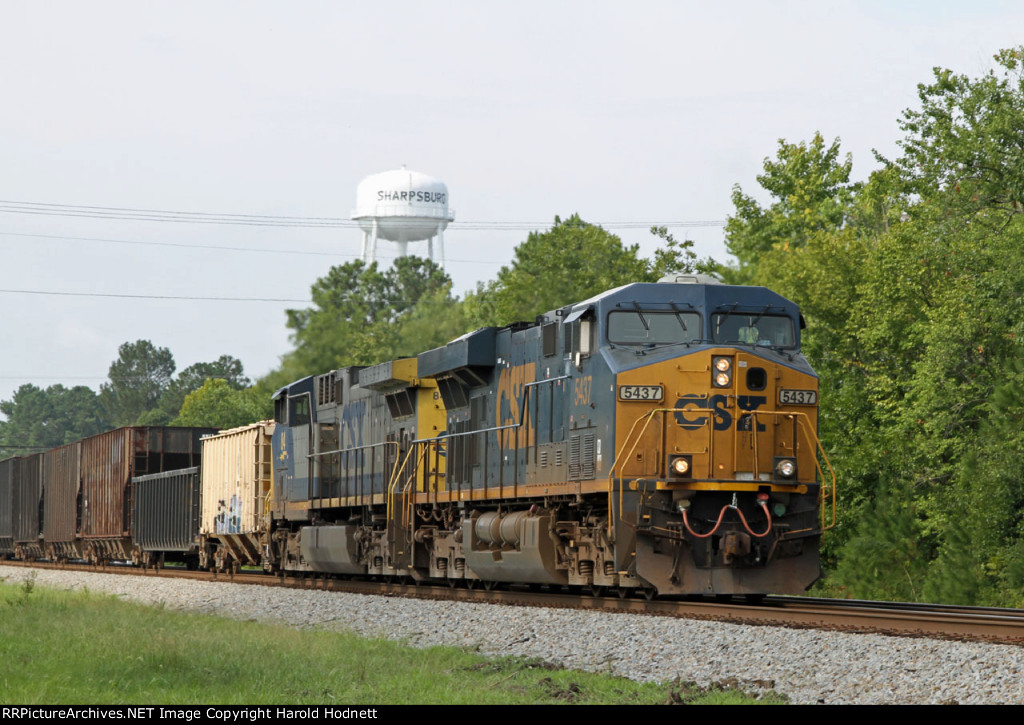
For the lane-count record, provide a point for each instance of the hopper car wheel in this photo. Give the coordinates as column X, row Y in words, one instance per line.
column 624, row 592
column 597, row 590
column 650, row 593
column 452, row 583
column 472, row 583
column 754, row 598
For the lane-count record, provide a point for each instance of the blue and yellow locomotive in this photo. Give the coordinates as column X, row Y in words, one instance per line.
column 657, row 438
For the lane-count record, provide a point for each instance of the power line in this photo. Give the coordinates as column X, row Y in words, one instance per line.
column 221, row 247
column 131, row 214
column 153, row 297
column 53, row 377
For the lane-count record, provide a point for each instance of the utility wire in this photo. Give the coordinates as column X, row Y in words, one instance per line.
column 53, row 377
column 48, row 209
column 130, row 214
column 223, row 247
column 153, row 297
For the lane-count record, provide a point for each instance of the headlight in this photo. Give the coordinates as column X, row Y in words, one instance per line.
column 680, row 466
column 723, row 377
column 785, row 467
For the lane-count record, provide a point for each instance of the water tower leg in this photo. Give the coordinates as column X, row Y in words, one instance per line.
column 366, row 239
column 440, row 247
column 373, row 244
column 403, row 248
column 430, row 249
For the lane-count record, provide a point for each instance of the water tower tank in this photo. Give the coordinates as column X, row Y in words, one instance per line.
column 402, row 206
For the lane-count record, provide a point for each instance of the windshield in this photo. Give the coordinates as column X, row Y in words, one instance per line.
column 646, row 327
column 752, row 328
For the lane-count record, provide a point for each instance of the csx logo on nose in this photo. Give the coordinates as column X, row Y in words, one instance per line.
column 717, row 405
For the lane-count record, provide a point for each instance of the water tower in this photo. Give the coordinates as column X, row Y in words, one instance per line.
column 402, row 206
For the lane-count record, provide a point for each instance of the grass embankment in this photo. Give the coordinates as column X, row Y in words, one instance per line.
column 61, row 647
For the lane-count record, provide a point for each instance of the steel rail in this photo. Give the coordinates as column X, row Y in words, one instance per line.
column 950, row 622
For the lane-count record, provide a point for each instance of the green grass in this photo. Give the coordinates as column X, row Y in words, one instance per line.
column 61, row 647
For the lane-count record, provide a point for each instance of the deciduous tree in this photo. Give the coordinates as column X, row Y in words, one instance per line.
column 810, row 190
column 356, row 314
column 967, row 138
column 568, row 263
column 217, row 404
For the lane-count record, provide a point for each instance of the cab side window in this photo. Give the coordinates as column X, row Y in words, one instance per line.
column 299, row 411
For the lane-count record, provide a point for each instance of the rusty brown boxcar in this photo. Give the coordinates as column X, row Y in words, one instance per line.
column 61, row 472
column 166, row 517
column 27, row 507
column 6, row 505
column 108, row 463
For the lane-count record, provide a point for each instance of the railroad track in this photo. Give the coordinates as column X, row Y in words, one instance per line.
column 984, row 624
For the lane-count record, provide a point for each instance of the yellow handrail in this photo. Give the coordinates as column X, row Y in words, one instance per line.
column 618, row 457
column 395, row 475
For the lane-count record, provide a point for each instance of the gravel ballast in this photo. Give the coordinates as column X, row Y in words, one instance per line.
column 808, row 666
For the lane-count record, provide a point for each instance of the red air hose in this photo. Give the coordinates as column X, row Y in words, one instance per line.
column 764, row 506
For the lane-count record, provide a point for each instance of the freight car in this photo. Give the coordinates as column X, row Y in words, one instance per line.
column 78, row 501
column 657, row 438
column 236, row 494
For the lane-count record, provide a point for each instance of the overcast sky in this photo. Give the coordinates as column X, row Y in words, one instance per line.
column 643, row 112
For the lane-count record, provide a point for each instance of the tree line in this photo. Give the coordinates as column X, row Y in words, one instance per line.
column 141, row 389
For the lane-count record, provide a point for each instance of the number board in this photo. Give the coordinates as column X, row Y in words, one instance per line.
column 798, row 397
column 641, row 392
